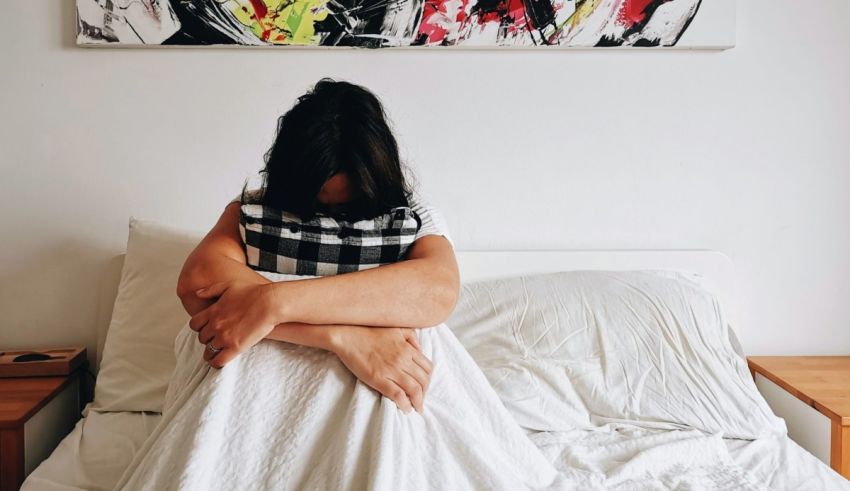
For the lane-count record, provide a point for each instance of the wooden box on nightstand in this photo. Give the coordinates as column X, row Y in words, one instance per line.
column 821, row 382
column 35, row 414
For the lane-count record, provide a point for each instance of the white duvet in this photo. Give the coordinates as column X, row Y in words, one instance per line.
column 289, row 417
column 283, row 416
column 101, row 446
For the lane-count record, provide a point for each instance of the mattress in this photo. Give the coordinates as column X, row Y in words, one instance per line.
column 94, row 455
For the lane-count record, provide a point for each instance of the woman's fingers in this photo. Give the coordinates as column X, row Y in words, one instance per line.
column 418, row 356
column 423, row 362
column 210, row 337
column 389, row 361
column 421, row 377
column 415, row 392
column 199, row 320
column 206, row 334
column 219, row 357
column 395, row 393
column 412, row 338
column 223, row 357
column 214, row 290
column 210, row 354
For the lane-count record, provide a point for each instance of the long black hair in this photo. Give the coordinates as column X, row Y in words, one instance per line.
column 335, row 127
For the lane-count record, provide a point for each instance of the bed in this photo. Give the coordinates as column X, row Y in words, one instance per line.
column 102, row 444
column 96, row 452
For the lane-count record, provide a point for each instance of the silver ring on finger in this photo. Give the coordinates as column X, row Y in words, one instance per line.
column 213, row 349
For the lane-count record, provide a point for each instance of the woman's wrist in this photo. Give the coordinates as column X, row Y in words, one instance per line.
column 277, row 302
column 333, row 338
column 328, row 338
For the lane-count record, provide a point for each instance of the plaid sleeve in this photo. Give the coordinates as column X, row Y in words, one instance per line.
column 433, row 222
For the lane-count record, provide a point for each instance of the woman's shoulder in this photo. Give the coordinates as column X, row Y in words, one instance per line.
column 432, row 221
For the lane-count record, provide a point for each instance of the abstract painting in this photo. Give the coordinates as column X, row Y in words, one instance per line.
column 408, row 23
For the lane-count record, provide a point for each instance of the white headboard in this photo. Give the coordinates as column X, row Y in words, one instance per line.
column 716, row 270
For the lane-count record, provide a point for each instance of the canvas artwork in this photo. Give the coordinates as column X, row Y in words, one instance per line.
column 408, row 23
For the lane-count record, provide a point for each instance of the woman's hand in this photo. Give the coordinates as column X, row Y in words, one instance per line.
column 388, row 359
column 240, row 318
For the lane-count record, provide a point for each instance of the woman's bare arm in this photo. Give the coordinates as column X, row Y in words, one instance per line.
column 420, row 291
column 219, row 257
column 388, row 360
column 312, row 335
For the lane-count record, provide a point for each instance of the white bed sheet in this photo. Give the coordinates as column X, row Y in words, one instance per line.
column 96, row 452
column 620, row 453
column 94, row 455
column 779, row 463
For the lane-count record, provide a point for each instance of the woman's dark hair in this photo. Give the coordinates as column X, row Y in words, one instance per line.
column 334, row 127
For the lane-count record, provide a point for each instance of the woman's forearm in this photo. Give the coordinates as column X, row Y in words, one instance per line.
column 314, row 336
column 204, row 271
column 413, row 293
column 219, row 257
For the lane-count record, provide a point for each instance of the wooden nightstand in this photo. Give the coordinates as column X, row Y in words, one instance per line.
column 822, row 382
column 35, row 414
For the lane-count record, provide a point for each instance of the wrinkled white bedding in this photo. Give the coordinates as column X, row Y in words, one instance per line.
column 779, row 463
column 627, row 457
column 580, row 349
column 289, row 417
column 620, row 456
column 96, row 452
column 102, row 445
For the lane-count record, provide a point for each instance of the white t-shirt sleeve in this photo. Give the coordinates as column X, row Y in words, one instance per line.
column 433, row 222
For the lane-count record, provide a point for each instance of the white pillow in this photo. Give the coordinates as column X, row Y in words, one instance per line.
column 578, row 349
column 138, row 356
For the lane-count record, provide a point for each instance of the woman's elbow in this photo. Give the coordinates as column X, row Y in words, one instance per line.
column 187, row 283
column 449, row 300
column 444, row 295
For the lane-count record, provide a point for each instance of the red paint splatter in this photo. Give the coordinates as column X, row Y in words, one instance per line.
column 431, row 28
column 433, row 33
column 260, row 9
column 260, row 13
column 436, row 18
column 511, row 10
column 516, row 12
column 633, row 11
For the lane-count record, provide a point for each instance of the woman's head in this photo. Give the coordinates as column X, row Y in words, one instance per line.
column 335, row 152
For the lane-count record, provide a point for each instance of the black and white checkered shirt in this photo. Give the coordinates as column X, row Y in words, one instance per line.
column 281, row 242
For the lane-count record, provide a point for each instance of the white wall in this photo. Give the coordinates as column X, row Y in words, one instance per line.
column 743, row 151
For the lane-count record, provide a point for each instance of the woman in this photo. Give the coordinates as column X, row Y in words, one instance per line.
column 289, row 415
column 334, row 154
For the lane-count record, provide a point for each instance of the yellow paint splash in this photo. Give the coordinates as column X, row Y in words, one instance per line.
column 284, row 22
